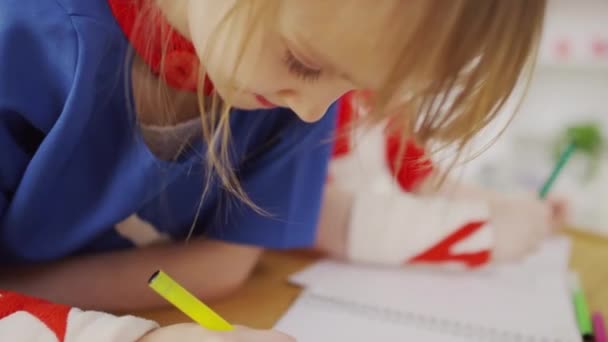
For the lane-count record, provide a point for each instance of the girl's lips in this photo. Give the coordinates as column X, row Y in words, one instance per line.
column 264, row 101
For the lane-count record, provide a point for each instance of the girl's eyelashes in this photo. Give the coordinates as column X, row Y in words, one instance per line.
column 299, row 69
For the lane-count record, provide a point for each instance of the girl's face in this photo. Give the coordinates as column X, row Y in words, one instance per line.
column 313, row 53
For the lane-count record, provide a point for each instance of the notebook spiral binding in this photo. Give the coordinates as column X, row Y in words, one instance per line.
column 444, row 326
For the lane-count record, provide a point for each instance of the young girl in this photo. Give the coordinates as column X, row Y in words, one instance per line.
column 103, row 103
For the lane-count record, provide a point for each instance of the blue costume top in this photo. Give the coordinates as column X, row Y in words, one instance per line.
column 73, row 163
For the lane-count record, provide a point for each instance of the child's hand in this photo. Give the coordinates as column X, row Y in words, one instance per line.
column 521, row 222
column 190, row 332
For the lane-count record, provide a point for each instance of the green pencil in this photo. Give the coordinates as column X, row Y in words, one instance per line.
column 561, row 162
column 583, row 317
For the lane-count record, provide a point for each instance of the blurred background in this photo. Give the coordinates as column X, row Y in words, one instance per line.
column 568, row 95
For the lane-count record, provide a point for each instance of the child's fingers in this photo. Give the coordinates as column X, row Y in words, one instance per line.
column 253, row 335
column 559, row 211
column 548, row 223
column 521, row 223
column 191, row 332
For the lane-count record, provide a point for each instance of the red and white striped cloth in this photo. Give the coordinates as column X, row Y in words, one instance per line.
column 27, row 319
column 390, row 223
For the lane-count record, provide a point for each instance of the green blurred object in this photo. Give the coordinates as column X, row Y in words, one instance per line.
column 588, row 139
column 559, row 166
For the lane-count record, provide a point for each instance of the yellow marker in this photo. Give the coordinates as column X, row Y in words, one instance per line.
column 187, row 303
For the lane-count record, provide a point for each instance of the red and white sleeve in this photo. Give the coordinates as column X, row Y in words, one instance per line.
column 390, row 224
column 401, row 228
column 28, row 319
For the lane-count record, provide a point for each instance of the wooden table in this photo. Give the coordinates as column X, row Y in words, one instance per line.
column 264, row 298
column 590, row 260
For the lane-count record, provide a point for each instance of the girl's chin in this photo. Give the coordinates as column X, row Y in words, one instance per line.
column 249, row 102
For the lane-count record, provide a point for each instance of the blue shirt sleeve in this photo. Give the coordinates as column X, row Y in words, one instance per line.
column 33, row 86
column 13, row 154
column 286, row 181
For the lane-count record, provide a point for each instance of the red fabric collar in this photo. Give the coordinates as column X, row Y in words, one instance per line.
column 180, row 65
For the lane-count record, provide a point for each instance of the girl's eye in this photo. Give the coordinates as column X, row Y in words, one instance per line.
column 299, row 69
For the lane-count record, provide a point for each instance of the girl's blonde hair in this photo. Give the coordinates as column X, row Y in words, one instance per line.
column 465, row 56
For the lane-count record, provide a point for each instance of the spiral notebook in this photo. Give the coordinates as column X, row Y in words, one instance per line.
column 529, row 301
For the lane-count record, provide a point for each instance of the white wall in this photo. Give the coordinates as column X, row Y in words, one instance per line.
column 574, row 86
